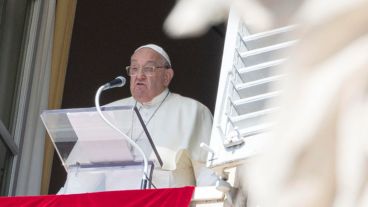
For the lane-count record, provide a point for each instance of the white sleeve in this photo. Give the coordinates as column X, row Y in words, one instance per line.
column 204, row 176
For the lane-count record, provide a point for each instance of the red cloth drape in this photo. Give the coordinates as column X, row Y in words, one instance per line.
column 173, row 197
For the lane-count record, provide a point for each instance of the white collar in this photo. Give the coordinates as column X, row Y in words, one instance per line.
column 156, row 100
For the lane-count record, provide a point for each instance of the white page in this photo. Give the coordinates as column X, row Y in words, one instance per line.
column 97, row 141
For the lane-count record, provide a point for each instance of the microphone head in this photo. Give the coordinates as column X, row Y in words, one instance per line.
column 117, row 82
column 122, row 79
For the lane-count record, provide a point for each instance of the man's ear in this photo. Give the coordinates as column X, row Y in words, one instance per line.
column 169, row 74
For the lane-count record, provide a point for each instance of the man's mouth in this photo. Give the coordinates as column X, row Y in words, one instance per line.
column 140, row 84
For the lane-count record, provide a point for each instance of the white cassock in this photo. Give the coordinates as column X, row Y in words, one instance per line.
column 177, row 126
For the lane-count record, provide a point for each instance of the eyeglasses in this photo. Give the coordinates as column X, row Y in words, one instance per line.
column 145, row 70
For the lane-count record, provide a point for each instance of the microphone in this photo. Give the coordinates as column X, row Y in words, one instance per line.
column 117, row 82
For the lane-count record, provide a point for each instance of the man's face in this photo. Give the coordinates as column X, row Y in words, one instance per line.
column 144, row 88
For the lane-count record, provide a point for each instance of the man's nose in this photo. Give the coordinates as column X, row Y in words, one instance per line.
column 140, row 74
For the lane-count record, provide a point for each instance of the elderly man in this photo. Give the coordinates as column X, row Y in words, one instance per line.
column 176, row 124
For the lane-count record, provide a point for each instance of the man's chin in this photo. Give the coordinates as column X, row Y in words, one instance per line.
column 141, row 97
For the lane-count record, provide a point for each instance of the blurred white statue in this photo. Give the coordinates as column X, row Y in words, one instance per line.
column 319, row 148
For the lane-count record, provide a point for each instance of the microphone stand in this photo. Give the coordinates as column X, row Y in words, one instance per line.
column 144, row 182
